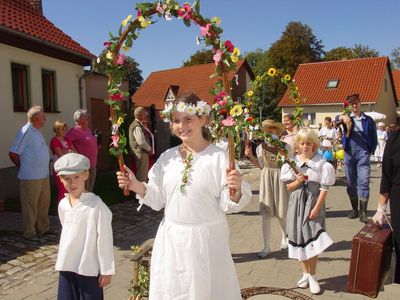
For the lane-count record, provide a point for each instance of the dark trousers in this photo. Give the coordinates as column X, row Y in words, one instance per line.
column 72, row 286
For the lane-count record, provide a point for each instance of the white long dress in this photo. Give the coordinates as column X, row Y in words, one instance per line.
column 191, row 258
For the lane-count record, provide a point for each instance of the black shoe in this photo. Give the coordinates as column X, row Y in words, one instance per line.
column 353, row 214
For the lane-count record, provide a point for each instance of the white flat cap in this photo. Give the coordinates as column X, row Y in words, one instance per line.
column 71, row 163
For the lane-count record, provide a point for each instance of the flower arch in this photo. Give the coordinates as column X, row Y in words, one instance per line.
column 225, row 57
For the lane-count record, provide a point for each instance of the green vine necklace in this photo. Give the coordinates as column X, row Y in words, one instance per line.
column 187, row 165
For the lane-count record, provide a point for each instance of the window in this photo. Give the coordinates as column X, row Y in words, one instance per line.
column 20, row 86
column 332, row 84
column 310, row 117
column 49, row 91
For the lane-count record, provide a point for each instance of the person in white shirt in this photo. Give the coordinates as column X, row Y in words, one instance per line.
column 327, row 135
column 85, row 257
column 191, row 258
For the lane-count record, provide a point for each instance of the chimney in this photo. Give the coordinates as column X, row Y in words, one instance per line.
column 37, row 6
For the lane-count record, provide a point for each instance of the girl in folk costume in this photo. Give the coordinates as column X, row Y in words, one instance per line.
column 191, row 258
column 289, row 134
column 274, row 196
column 305, row 226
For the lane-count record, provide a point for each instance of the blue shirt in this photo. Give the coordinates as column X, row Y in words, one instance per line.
column 33, row 153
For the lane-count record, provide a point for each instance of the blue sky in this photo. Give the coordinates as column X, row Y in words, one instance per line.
column 249, row 24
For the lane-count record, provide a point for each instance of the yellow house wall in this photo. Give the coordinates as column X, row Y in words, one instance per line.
column 67, row 86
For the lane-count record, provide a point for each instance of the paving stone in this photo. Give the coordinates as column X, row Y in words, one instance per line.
column 13, row 271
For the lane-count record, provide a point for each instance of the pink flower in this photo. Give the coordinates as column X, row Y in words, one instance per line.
column 115, row 139
column 120, row 59
column 117, row 97
column 185, row 12
column 228, row 122
column 229, row 46
column 107, row 44
column 219, row 96
column 222, row 102
column 204, row 30
column 139, row 13
column 217, row 56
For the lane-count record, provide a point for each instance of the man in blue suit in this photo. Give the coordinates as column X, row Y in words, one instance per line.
column 359, row 142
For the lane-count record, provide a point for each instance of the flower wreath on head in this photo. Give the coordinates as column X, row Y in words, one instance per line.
column 201, row 108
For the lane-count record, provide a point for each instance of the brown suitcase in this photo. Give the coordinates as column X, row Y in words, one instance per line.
column 370, row 259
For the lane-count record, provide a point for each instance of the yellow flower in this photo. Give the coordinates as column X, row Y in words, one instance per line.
column 287, row 77
column 258, row 78
column 236, row 52
column 271, row 72
column 296, row 101
column 235, row 55
column 143, row 22
column 250, row 93
column 237, row 110
column 124, row 22
column 216, row 20
column 120, row 121
column 109, row 55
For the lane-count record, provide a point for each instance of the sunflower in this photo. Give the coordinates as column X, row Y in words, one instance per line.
column 250, row 93
column 271, row 72
column 296, row 101
column 287, row 77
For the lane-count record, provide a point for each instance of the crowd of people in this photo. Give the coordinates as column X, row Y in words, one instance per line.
column 195, row 185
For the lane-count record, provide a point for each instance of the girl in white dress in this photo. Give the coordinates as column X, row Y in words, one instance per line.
column 191, row 258
column 305, row 226
column 382, row 138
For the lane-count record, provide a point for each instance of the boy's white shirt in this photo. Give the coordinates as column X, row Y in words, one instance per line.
column 86, row 243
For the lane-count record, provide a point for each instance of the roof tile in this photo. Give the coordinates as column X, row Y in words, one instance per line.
column 362, row 76
column 19, row 16
column 193, row 78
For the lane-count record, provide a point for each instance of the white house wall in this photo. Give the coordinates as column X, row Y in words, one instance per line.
column 67, row 87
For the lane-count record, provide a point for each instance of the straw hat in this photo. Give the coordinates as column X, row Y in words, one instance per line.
column 268, row 123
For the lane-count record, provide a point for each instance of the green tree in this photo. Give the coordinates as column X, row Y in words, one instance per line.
column 199, row 57
column 362, row 51
column 297, row 45
column 339, row 53
column 131, row 68
column 395, row 58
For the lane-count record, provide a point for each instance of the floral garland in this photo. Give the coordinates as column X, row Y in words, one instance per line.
column 225, row 57
column 201, row 108
column 187, row 166
column 273, row 145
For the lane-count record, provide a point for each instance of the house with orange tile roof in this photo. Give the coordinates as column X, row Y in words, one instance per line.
column 166, row 85
column 41, row 65
column 396, row 79
column 323, row 87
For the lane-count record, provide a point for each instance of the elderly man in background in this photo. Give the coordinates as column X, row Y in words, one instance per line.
column 85, row 143
column 30, row 154
column 140, row 144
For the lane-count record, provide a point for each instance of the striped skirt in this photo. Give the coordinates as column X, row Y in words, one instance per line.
column 306, row 238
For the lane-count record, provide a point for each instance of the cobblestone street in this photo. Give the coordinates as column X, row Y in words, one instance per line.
column 27, row 268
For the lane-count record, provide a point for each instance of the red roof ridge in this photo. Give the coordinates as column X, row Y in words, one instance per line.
column 344, row 60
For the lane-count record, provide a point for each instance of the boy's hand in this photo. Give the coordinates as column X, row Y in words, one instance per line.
column 104, row 280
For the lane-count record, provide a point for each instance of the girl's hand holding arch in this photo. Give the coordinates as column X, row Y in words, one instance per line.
column 126, row 180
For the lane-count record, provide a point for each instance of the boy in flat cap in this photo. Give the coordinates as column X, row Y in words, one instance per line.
column 359, row 143
column 85, row 257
